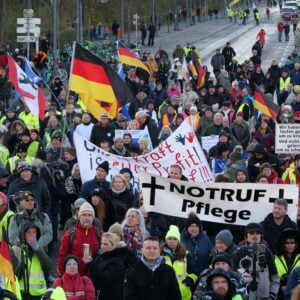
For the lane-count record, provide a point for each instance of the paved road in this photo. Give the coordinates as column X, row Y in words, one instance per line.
column 212, row 34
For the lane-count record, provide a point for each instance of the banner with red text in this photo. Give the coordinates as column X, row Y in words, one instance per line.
column 228, row 203
column 181, row 148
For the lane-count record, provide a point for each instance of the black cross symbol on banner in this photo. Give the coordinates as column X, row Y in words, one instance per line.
column 153, row 186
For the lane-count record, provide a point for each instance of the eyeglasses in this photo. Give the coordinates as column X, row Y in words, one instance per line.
column 29, row 199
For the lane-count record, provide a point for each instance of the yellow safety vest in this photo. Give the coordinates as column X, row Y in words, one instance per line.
column 2, row 119
column 180, row 268
column 281, row 266
column 4, row 222
column 31, row 120
column 12, row 162
column 284, row 82
column 36, row 277
column 4, row 154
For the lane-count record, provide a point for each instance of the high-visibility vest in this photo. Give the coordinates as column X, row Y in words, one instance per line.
column 31, row 120
column 12, row 162
column 284, row 82
column 282, row 267
column 4, row 154
column 4, row 225
column 180, row 268
column 36, row 277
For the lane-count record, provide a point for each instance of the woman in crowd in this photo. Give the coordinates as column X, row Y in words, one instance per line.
column 73, row 184
column 287, row 257
column 76, row 287
column 13, row 137
column 272, row 175
column 119, row 195
column 107, row 268
column 223, row 243
column 134, row 230
column 266, row 136
column 197, row 242
column 105, row 211
column 177, row 257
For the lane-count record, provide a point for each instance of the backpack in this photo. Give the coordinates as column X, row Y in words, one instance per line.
column 98, row 230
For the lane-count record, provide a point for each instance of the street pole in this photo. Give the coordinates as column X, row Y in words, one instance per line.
column 122, row 18
column 54, row 28
column 80, row 21
column 153, row 12
column 77, row 21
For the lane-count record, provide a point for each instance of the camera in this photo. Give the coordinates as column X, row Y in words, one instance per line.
column 255, row 252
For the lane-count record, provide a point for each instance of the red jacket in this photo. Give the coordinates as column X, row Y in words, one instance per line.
column 76, row 287
column 280, row 27
column 274, row 178
column 81, row 236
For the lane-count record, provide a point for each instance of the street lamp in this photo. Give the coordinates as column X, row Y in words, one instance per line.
column 28, row 14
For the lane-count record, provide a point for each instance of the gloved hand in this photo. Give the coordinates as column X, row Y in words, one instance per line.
column 187, row 281
column 34, row 245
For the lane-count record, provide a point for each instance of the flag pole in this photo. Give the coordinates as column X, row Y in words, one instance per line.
column 67, row 102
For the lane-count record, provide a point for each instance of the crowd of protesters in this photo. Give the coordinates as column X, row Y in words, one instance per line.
column 110, row 248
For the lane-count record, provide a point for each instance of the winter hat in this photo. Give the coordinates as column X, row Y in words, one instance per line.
column 173, row 232
column 86, row 207
column 253, row 227
column 126, row 170
column 56, row 136
column 192, row 219
column 217, row 272
column 24, row 167
column 135, row 147
column 25, row 132
column 3, row 172
column 260, row 149
column 79, row 202
column 67, row 258
column 236, row 154
column 3, row 199
column 221, row 256
column 225, row 237
column 117, row 229
column 104, row 165
column 250, row 147
column 71, row 151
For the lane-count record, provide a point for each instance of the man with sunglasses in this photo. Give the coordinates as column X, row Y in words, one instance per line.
column 255, row 261
column 29, row 212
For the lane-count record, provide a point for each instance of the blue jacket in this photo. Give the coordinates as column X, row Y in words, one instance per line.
column 89, row 186
column 199, row 248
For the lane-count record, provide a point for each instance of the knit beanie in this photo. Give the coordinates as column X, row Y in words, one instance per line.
column 221, row 256
column 117, row 229
column 225, row 237
column 79, row 202
column 67, row 258
column 86, row 207
column 253, row 227
column 71, row 151
column 173, row 232
column 104, row 165
column 192, row 219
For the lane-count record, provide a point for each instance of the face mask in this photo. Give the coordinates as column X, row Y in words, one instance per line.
column 285, row 115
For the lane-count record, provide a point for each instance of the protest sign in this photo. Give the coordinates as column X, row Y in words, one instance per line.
column 181, row 148
column 209, row 141
column 136, row 135
column 228, row 203
column 287, row 138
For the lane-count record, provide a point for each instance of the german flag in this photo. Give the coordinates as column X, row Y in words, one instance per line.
column 128, row 58
column 264, row 104
column 98, row 85
column 197, row 70
column 6, row 267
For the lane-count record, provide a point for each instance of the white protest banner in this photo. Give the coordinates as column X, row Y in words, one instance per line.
column 136, row 135
column 229, row 203
column 182, row 148
column 287, row 138
column 209, row 141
